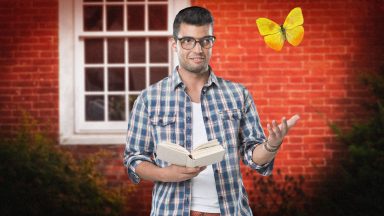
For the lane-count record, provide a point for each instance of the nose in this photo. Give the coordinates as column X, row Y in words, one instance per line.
column 198, row 48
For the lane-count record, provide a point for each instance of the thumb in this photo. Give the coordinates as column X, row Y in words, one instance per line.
column 291, row 122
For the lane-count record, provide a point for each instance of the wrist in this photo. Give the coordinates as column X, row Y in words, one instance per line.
column 162, row 173
column 268, row 147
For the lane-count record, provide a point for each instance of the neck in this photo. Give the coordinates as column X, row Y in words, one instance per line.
column 194, row 82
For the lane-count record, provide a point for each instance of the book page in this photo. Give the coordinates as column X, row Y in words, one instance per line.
column 206, row 145
column 208, row 156
column 174, row 147
column 207, row 151
column 172, row 153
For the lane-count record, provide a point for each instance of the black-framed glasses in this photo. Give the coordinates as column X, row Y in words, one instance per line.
column 190, row 42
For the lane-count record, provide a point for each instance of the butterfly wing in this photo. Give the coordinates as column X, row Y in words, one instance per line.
column 273, row 36
column 275, row 41
column 293, row 26
column 294, row 18
column 267, row 26
column 295, row 35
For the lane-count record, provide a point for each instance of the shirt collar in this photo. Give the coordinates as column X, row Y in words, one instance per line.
column 176, row 80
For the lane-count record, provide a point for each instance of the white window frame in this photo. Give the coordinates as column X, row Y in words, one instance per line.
column 72, row 129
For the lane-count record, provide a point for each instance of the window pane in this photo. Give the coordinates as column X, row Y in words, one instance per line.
column 116, row 79
column 136, row 49
column 116, row 108
column 132, row 98
column 158, row 48
column 116, row 50
column 135, row 0
column 115, row 0
column 94, row 79
column 136, row 79
column 114, row 18
column 94, row 108
column 93, row 0
column 93, row 18
column 93, row 51
column 158, row 16
column 157, row 74
column 135, row 17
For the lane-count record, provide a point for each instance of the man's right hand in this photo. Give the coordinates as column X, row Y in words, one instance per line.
column 174, row 173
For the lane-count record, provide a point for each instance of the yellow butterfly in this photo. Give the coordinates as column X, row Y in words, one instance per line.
column 292, row 30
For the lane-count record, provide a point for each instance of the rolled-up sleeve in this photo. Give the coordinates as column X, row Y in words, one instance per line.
column 139, row 144
column 251, row 135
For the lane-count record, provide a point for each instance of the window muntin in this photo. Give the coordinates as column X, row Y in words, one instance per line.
column 125, row 48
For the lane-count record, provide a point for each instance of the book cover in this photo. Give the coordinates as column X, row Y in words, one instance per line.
column 205, row 154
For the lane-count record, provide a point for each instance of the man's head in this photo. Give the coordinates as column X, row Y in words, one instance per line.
column 193, row 39
column 194, row 15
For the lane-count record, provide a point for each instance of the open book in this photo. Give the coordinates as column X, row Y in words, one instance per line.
column 205, row 154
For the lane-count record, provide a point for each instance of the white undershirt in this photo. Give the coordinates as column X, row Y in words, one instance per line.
column 204, row 194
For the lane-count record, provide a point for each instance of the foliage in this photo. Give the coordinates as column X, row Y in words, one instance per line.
column 37, row 177
column 359, row 189
column 285, row 197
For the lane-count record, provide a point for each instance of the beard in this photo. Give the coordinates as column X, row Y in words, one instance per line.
column 194, row 68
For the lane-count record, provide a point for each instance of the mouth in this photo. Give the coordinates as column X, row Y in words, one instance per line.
column 197, row 59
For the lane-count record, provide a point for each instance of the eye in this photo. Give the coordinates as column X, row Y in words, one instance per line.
column 187, row 40
column 207, row 40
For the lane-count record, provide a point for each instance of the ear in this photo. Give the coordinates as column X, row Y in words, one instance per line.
column 173, row 44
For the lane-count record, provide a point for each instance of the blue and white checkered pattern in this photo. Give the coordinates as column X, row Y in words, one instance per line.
column 163, row 112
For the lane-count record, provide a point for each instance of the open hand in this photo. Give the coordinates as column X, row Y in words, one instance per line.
column 278, row 132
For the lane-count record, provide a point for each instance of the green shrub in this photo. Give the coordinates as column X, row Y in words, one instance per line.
column 37, row 177
column 359, row 187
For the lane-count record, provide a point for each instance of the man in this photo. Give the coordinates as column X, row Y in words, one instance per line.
column 191, row 107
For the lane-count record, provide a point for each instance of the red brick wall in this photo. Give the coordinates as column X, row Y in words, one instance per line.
column 317, row 79
column 28, row 63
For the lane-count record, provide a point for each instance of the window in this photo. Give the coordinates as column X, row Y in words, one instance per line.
column 118, row 48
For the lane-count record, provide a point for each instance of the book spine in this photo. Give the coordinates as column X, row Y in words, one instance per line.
column 190, row 162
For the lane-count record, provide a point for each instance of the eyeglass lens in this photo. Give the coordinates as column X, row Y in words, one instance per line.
column 190, row 43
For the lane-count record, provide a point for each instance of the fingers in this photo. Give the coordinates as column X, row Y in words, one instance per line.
column 292, row 121
column 179, row 173
column 284, row 126
column 274, row 130
column 191, row 170
column 277, row 132
column 270, row 131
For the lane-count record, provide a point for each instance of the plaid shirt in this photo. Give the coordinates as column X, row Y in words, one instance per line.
column 164, row 112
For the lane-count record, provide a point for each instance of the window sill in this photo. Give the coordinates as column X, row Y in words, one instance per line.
column 92, row 139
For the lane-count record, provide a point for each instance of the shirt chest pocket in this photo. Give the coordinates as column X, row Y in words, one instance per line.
column 230, row 123
column 230, row 115
column 163, row 127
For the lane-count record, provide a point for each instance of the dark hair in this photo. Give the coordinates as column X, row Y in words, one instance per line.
column 192, row 15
